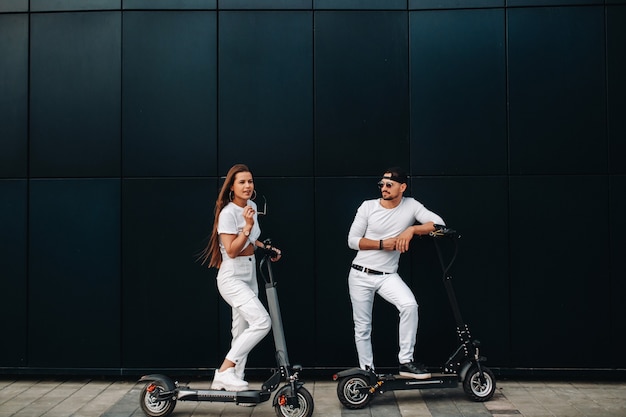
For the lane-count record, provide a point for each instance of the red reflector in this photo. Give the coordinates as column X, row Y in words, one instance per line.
column 335, row 377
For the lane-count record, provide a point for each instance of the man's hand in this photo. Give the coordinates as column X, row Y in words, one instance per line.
column 403, row 240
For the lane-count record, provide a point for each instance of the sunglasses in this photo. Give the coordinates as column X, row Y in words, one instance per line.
column 382, row 184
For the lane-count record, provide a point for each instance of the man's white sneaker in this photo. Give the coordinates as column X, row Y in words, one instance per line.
column 228, row 381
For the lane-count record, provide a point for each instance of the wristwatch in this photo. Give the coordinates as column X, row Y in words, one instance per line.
column 246, row 233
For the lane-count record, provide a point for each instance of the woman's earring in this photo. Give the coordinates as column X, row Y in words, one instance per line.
column 230, row 195
column 253, row 195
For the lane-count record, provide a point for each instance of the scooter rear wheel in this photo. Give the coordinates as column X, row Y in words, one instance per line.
column 151, row 405
column 305, row 405
column 349, row 394
column 477, row 388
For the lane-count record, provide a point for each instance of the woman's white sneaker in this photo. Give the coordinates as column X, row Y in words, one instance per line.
column 228, row 381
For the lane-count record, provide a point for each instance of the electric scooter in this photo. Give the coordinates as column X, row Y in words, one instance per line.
column 356, row 387
column 159, row 396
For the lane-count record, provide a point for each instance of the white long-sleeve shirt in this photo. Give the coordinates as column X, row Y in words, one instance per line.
column 373, row 221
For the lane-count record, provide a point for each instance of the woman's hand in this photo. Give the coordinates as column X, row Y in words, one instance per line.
column 248, row 216
column 276, row 250
column 278, row 255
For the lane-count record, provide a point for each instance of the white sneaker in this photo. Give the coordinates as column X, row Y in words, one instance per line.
column 228, row 381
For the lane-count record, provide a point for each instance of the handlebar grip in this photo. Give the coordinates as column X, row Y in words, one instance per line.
column 441, row 230
column 268, row 250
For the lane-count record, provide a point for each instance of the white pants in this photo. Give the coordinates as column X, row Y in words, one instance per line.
column 237, row 284
column 363, row 287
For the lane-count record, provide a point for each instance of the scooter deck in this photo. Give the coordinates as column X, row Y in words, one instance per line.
column 238, row 397
column 433, row 375
column 399, row 382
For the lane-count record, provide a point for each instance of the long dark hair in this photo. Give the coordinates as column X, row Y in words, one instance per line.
column 211, row 252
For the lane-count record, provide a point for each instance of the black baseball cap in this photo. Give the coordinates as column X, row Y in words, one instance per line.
column 397, row 174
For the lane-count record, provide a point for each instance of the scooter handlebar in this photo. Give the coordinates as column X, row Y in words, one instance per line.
column 441, row 231
column 268, row 253
column 268, row 250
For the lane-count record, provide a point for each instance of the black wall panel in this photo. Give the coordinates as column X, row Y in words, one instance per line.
column 73, row 5
column 264, row 4
column 359, row 4
column 361, row 92
column 420, row 269
column 74, row 273
column 560, row 282
column 517, row 3
column 557, row 90
column 13, row 95
column 169, row 107
column 617, row 236
column 167, row 294
column 477, row 207
column 13, row 272
column 616, row 87
column 458, row 92
column 169, row 4
column 163, row 270
column 14, row 6
column 290, row 224
column 454, row 4
column 336, row 203
column 75, row 94
column 265, row 92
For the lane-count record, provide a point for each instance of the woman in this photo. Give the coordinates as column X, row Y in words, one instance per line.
column 231, row 249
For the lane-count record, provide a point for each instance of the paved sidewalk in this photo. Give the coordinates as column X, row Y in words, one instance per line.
column 76, row 397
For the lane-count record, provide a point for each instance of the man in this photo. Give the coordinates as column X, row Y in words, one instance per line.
column 382, row 229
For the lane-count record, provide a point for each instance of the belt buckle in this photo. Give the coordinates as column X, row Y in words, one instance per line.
column 366, row 270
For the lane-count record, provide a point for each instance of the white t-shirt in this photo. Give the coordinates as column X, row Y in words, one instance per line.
column 231, row 222
column 375, row 222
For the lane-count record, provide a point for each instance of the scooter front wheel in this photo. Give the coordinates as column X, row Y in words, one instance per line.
column 152, row 405
column 350, row 393
column 479, row 388
column 304, row 408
